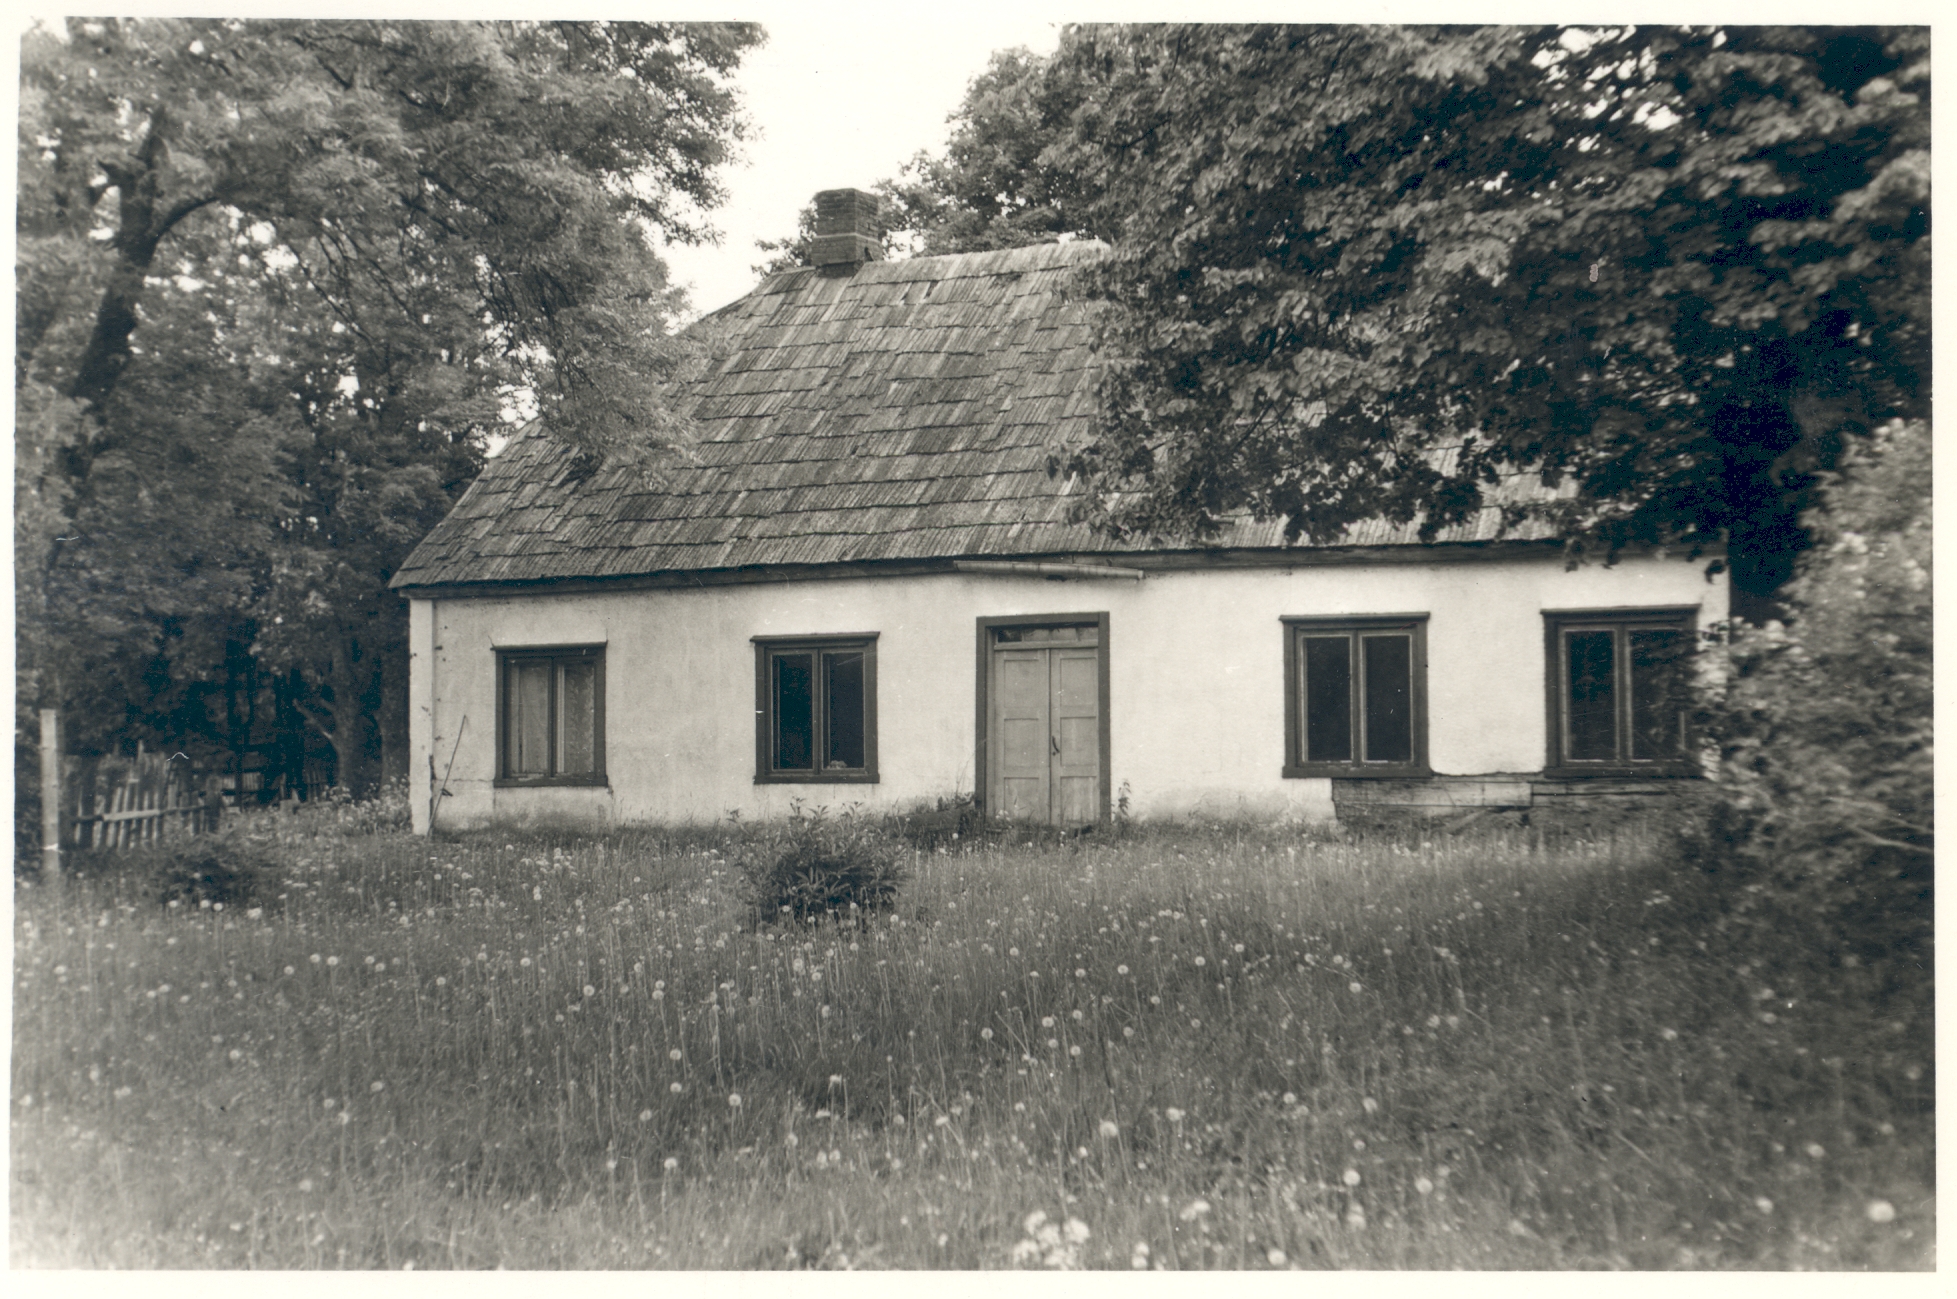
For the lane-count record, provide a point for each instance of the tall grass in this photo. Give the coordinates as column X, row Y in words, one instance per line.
column 1176, row 1049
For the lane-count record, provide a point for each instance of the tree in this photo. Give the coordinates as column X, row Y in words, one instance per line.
column 279, row 283
column 1369, row 271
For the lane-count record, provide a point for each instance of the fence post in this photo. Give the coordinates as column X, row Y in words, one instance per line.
column 51, row 796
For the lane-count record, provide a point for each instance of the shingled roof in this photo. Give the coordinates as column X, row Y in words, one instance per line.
column 905, row 411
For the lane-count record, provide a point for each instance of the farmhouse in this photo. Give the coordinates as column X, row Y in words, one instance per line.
column 861, row 586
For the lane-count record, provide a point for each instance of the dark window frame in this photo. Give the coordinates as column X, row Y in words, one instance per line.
column 1620, row 622
column 981, row 762
column 766, row 648
column 508, row 657
column 1296, row 629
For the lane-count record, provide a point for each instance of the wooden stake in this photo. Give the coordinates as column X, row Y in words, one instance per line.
column 51, row 795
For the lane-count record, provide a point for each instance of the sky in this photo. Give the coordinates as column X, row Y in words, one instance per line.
column 841, row 96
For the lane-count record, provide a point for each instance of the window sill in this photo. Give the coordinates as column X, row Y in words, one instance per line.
column 1620, row 771
column 551, row 782
column 1339, row 771
column 817, row 778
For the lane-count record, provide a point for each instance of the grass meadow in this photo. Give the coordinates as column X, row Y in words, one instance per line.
column 1218, row 1048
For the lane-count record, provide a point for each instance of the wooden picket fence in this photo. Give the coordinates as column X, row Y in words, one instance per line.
column 120, row 802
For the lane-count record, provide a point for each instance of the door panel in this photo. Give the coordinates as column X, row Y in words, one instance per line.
column 1021, row 689
column 1046, row 728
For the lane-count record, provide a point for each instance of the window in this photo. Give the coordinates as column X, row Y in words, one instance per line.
column 815, row 710
column 1356, row 696
column 1618, row 691
column 550, row 716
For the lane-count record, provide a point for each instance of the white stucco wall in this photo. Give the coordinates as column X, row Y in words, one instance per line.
column 1196, row 680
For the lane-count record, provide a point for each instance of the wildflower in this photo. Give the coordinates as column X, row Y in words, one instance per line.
column 370, row 960
column 1109, row 1129
column 1080, row 974
column 1881, row 1211
column 1669, row 1034
column 1046, row 1021
column 1127, row 1032
column 1291, row 1098
column 1275, row 1257
column 943, row 1121
column 1355, row 986
column 733, row 1100
column 236, row 1054
column 1423, row 1185
column 1200, row 962
column 377, row 1087
column 1174, row 1115
column 671, row 1163
column 1355, row 1216
column 1195, row 1023
column 1350, row 1177
column 305, row 1184
column 1763, row 1204
column 1079, row 1015
column 986, row 1034
column 1076, row 1231
column 122, row 1093
column 1194, row 1210
column 1012, row 951
column 645, row 1116
column 673, row 1054
column 1139, row 1258
column 441, row 981
column 1433, row 1021
column 590, row 991
column 1370, row 1105
column 332, row 960
column 1053, row 1044
column 1121, row 969
column 675, row 1088
column 1074, row 1051
column 1814, row 1150
column 288, row 969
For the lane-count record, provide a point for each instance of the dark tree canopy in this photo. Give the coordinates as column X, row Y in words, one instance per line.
column 1675, row 268
column 279, row 285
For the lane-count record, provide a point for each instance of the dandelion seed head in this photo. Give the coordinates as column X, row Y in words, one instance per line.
column 1350, row 1177
column 645, row 1116
column 733, row 1100
column 1881, row 1211
column 1423, row 1185
column 1763, row 1204
column 1110, row 1129
column 671, row 1163
column 676, row 1088
column 1173, row 1114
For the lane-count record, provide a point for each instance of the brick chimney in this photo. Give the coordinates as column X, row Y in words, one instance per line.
column 845, row 229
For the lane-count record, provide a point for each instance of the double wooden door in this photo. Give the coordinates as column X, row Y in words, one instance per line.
column 1044, row 732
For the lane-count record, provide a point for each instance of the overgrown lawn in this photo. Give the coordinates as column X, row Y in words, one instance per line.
column 1171, row 1049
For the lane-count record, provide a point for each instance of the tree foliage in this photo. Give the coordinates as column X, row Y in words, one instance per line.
column 1369, row 271
column 279, row 286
